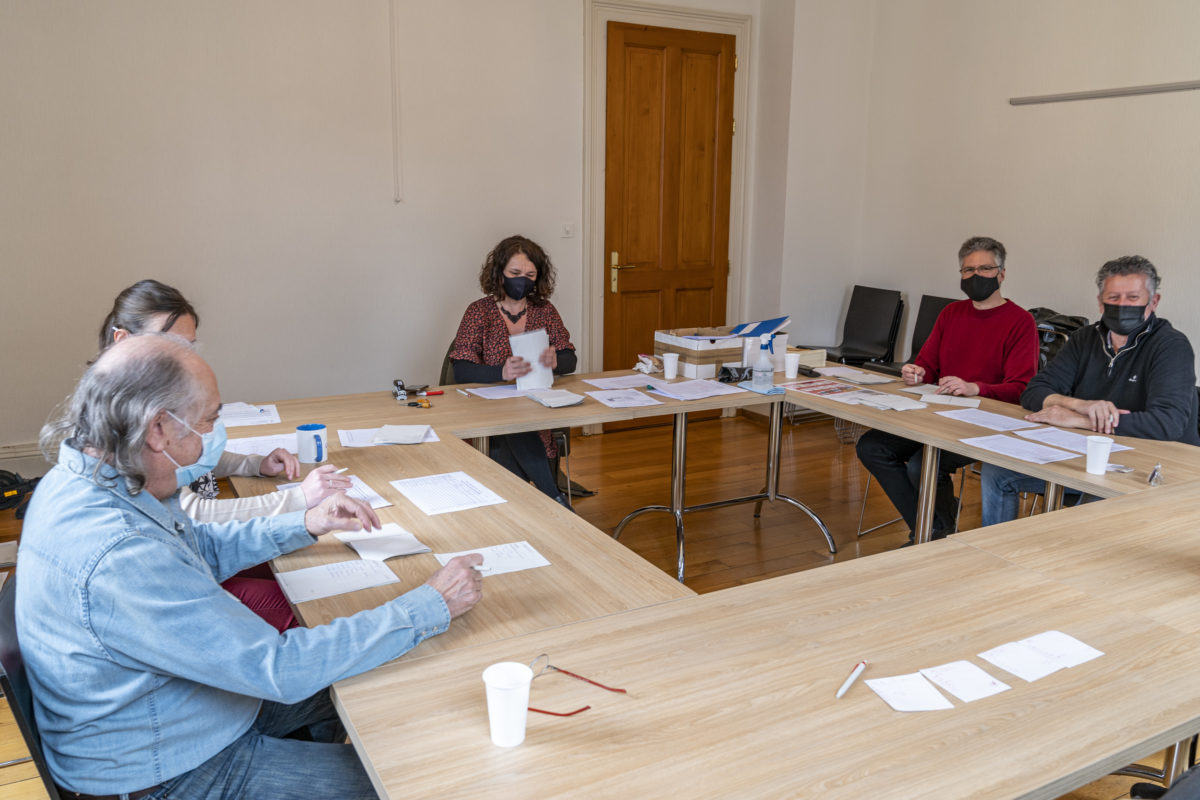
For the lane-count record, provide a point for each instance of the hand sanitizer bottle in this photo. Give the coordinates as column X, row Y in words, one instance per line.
column 764, row 368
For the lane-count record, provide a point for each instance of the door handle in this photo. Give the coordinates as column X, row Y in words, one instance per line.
column 615, row 271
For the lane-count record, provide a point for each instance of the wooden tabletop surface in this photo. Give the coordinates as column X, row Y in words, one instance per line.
column 731, row 694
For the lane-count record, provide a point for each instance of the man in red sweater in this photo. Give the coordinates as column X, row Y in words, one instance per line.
column 985, row 346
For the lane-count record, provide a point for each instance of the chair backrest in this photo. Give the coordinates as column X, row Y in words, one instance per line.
column 927, row 314
column 15, row 683
column 447, row 376
column 872, row 322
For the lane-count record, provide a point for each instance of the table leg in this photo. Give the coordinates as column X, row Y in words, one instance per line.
column 1054, row 496
column 480, row 443
column 927, row 493
column 676, row 509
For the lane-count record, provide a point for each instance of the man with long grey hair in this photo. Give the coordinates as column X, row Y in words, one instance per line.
column 148, row 679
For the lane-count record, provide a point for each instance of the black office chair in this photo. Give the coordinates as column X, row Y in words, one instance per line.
column 869, row 333
column 15, row 684
column 927, row 314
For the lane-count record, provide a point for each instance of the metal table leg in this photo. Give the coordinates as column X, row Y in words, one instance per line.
column 927, row 493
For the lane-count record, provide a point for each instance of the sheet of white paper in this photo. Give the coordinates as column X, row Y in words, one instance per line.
column 512, row 557
column 634, row 381
column 327, row 580
column 389, row 541
column 624, row 398
column 920, row 388
column 359, row 490
column 8, row 554
column 401, row 434
column 554, row 398
column 889, row 402
column 692, row 390
column 365, row 437
column 1063, row 648
column 951, row 400
column 965, row 680
column 1023, row 660
column 450, row 491
column 500, row 392
column 1065, row 439
column 530, row 345
column 986, row 419
column 238, row 414
column 1019, row 448
column 262, row 445
column 909, row 693
column 855, row 375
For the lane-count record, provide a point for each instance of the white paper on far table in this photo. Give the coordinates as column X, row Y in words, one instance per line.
column 512, row 557
column 450, row 491
column 402, row 434
column 885, row 401
column 635, row 381
column 530, row 345
column 359, row 490
column 986, row 419
column 1065, row 439
column 624, row 398
column 1019, row 448
column 327, row 580
column 500, row 392
column 692, row 390
column 262, row 445
column 365, row 437
column 238, row 414
column 929, row 394
column 389, row 541
column 855, row 375
column 909, row 693
column 965, row 680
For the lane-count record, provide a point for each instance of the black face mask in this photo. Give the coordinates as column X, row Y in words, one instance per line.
column 517, row 288
column 979, row 288
column 1123, row 320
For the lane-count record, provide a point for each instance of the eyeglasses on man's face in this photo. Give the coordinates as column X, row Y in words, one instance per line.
column 986, row 271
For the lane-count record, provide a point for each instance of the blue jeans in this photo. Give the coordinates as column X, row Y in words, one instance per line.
column 262, row 764
column 1001, row 489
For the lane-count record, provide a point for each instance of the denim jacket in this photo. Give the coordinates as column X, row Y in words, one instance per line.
column 142, row 666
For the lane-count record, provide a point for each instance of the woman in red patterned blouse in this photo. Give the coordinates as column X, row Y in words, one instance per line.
column 517, row 279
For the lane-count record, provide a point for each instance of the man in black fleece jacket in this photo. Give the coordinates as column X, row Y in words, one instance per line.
column 1130, row 373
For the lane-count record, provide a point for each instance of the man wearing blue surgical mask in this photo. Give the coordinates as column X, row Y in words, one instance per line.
column 1130, row 374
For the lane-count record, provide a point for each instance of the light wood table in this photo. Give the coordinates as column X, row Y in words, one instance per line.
column 1180, row 462
column 731, row 694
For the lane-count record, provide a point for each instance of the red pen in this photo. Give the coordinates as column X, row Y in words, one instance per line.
column 430, row 394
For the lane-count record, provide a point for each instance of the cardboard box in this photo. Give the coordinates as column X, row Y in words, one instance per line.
column 700, row 358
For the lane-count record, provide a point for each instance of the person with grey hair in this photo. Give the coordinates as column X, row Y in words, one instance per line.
column 983, row 346
column 148, row 679
column 1130, row 373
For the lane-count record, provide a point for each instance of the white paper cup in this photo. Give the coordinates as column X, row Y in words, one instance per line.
column 791, row 365
column 312, row 443
column 670, row 365
column 1098, row 448
column 507, row 701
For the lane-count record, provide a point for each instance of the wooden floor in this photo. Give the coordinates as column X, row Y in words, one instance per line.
column 725, row 547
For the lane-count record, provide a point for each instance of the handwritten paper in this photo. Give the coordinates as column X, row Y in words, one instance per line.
column 909, row 693
column 1019, row 448
column 501, row 558
column 327, row 580
column 450, row 491
column 1038, row 656
column 262, row 445
column 236, row 414
column 986, row 419
column 389, row 541
column 624, row 398
column 965, row 680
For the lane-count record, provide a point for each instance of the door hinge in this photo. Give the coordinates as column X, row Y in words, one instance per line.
column 735, row 62
column 735, row 126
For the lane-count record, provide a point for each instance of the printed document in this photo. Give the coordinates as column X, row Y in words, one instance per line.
column 691, row 390
column 262, row 445
column 1019, row 448
column 965, row 681
column 450, row 491
column 389, row 541
column 327, row 580
column 909, row 693
column 238, row 414
column 986, row 419
column 1064, row 439
column 855, row 375
column 365, row 437
column 624, row 398
column 530, row 345
column 500, row 558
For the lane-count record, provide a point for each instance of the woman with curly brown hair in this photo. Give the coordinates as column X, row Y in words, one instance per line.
column 517, row 279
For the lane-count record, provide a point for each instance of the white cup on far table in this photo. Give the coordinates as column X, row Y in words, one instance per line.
column 507, row 701
column 791, row 365
column 1098, row 448
column 670, row 365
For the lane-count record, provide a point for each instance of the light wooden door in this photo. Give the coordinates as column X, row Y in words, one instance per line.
column 668, row 151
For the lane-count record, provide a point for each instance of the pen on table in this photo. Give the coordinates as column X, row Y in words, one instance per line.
column 460, row 391
column 854, row 673
column 430, row 394
column 340, row 471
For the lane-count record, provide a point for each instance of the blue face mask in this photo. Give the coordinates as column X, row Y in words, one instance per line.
column 214, row 445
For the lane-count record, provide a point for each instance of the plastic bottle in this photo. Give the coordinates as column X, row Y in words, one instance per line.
column 764, row 368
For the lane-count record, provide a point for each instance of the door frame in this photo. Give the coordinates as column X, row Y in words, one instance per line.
column 597, row 14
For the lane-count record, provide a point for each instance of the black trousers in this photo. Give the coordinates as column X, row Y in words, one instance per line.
column 523, row 455
column 896, row 464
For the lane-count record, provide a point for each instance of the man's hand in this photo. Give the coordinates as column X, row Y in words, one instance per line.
column 280, row 460
column 957, row 386
column 514, row 368
column 912, row 374
column 1103, row 416
column 459, row 583
column 1059, row 415
column 321, row 483
column 340, row 513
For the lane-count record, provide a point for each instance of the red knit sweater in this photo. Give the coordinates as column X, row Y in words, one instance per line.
column 996, row 348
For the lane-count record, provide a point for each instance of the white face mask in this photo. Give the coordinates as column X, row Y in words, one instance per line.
column 214, row 446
